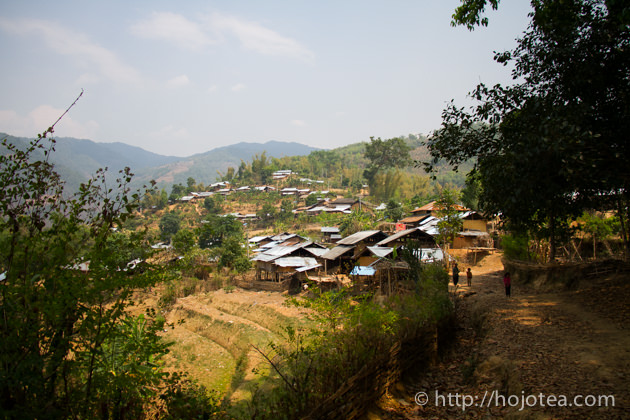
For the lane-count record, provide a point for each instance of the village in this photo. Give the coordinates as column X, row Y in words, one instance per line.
column 365, row 259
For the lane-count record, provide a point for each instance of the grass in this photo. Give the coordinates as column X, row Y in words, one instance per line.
column 205, row 361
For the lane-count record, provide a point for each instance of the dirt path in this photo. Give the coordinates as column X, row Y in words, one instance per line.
column 552, row 351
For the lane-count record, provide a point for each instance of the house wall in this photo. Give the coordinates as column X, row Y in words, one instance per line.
column 463, row 242
column 476, row 225
column 366, row 261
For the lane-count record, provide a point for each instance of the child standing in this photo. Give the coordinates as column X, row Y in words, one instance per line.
column 507, row 282
column 469, row 277
column 455, row 274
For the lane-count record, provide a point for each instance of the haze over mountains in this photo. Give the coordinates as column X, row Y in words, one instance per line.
column 78, row 159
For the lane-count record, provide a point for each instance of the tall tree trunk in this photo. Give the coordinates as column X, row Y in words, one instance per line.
column 622, row 212
column 552, row 239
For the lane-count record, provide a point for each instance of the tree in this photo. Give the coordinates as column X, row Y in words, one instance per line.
column 215, row 229
column 213, row 205
column 169, row 225
column 267, row 212
column 191, row 185
column 233, row 254
column 63, row 300
column 450, row 223
column 554, row 144
column 394, row 211
column 177, row 192
column 385, row 154
column 311, row 199
column 469, row 13
column 184, row 240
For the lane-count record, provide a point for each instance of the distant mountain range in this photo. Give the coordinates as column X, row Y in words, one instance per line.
column 76, row 160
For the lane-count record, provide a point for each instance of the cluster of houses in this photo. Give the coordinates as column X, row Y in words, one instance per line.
column 367, row 256
column 225, row 188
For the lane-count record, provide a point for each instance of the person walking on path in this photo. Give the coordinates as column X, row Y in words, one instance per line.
column 469, row 277
column 455, row 274
column 507, row 282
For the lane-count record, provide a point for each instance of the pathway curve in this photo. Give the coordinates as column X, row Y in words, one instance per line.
column 552, row 351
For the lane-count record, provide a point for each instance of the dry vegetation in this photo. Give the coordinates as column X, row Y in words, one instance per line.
column 562, row 343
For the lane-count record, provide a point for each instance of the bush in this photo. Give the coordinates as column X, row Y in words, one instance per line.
column 354, row 334
column 516, row 247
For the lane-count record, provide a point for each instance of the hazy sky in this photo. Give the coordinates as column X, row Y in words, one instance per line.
column 184, row 77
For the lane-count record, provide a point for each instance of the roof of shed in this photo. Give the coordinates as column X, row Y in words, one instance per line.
column 359, row 236
column 337, row 252
column 407, row 232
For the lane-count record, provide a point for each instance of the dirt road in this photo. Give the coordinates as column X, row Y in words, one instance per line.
column 560, row 355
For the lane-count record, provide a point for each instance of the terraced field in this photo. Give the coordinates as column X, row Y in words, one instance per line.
column 215, row 334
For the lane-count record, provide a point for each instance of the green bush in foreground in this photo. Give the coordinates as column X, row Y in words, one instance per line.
column 352, row 333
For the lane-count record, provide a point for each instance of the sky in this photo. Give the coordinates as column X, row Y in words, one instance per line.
column 184, row 77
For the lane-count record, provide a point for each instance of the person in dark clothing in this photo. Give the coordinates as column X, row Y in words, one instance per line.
column 507, row 282
column 469, row 277
column 455, row 274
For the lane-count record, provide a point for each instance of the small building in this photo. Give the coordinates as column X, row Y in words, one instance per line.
column 433, row 209
column 343, row 256
column 413, row 221
column 330, row 234
column 472, row 239
column 474, row 221
column 416, row 235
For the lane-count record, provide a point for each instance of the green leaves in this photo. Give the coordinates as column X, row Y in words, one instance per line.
column 69, row 277
column 550, row 145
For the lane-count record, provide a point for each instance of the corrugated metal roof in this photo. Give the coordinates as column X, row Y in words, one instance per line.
column 338, row 208
column 310, row 267
column 327, row 229
column 283, row 236
column 414, row 219
column 431, row 254
column 279, row 251
column 472, row 215
column 474, row 233
column 430, row 226
column 358, row 237
column 402, row 234
column 318, row 252
column 337, row 252
column 434, row 206
column 363, row 271
column 295, row 262
column 380, row 251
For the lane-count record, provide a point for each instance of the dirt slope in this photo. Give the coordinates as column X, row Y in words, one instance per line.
column 546, row 349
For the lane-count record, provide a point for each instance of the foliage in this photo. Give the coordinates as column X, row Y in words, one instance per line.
column 562, row 128
column 169, row 225
column 354, row 222
column 471, row 192
column 311, row 200
column 184, row 241
column 155, row 199
column 387, row 185
column 267, row 213
column 177, row 192
column 450, row 223
column 516, row 247
column 68, row 348
column 213, row 204
column 215, row 229
column 185, row 399
column 354, row 334
column 394, row 211
column 469, row 13
column 598, row 227
column 385, row 154
column 233, row 254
